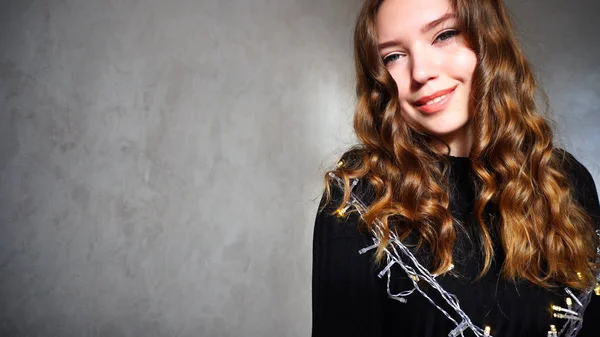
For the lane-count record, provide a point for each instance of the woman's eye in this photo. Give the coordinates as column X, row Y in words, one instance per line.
column 447, row 35
column 391, row 58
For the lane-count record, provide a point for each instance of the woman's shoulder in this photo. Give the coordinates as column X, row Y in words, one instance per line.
column 332, row 224
column 582, row 183
column 571, row 164
column 577, row 173
column 354, row 159
column 348, row 222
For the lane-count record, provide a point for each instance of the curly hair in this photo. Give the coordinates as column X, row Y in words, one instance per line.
column 546, row 235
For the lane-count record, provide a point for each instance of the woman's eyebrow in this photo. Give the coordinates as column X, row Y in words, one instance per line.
column 426, row 28
column 437, row 22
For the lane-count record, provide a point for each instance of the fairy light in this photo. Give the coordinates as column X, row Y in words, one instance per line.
column 568, row 311
column 340, row 163
column 397, row 253
column 342, row 211
column 573, row 318
column 578, row 301
column 565, row 316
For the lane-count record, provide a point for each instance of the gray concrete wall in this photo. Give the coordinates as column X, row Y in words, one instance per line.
column 561, row 39
column 160, row 160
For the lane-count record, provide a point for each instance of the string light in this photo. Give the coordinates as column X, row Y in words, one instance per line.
column 570, row 317
column 342, row 211
column 398, row 254
column 340, row 163
column 573, row 322
column 552, row 332
column 573, row 297
column 568, row 311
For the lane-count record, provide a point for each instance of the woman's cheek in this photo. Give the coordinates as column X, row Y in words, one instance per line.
column 401, row 83
column 464, row 61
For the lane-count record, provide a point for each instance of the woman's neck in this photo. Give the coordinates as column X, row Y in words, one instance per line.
column 460, row 141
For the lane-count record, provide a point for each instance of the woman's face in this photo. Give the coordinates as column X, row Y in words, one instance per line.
column 430, row 63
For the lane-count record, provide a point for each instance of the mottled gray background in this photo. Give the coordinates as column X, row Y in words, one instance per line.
column 160, row 160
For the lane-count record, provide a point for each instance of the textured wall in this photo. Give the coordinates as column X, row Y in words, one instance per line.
column 562, row 41
column 159, row 160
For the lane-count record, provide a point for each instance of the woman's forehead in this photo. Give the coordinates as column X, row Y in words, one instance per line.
column 409, row 17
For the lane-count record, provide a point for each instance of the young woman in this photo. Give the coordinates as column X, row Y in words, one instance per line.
column 455, row 165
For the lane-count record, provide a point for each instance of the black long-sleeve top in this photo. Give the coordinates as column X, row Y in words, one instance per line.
column 350, row 300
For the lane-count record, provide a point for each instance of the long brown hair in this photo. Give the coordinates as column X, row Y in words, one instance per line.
column 546, row 235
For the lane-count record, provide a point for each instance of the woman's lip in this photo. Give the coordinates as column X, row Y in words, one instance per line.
column 426, row 99
column 435, row 107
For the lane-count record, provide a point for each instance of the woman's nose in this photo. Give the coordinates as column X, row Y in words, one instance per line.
column 424, row 66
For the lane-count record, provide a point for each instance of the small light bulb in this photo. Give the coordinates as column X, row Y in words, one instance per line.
column 597, row 289
column 579, row 275
column 487, row 331
column 342, row 211
column 414, row 278
column 552, row 332
column 340, row 163
column 569, row 303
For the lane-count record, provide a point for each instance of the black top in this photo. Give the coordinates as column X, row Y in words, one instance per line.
column 350, row 300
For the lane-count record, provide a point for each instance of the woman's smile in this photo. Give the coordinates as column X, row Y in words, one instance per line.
column 436, row 102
